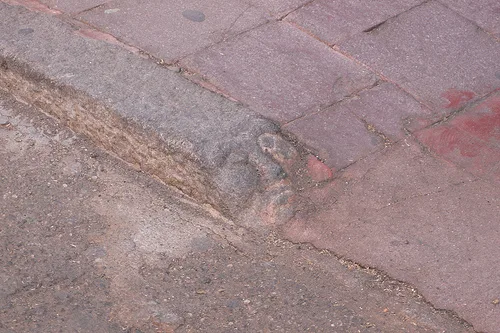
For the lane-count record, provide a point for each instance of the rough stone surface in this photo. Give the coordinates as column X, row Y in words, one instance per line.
column 279, row 71
column 147, row 115
column 485, row 13
column 471, row 139
column 173, row 29
column 335, row 21
column 423, row 221
column 431, row 52
column 337, row 135
column 278, row 8
column 72, row 6
column 390, row 111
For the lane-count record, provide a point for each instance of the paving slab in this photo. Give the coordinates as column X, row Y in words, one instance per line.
column 279, row 71
column 433, row 53
column 278, row 8
column 335, row 21
column 72, row 6
column 471, row 139
column 359, row 125
column 485, row 13
column 174, row 29
column 421, row 220
column 336, row 135
column 390, row 111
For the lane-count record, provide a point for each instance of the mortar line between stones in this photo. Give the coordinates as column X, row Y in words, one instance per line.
column 332, row 104
column 382, row 76
column 378, row 25
column 431, row 153
column 462, row 109
column 307, row 32
column 87, row 10
column 490, row 34
column 296, row 9
column 180, row 59
column 337, row 50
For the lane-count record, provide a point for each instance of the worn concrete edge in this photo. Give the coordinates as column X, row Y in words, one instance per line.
column 216, row 151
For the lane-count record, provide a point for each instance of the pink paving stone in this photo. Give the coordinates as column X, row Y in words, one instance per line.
column 390, row 110
column 334, row 21
column 461, row 148
column 173, row 29
column 433, row 53
column 337, row 135
column 72, row 6
column 486, row 13
column 280, row 71
column 471, row 139
column 420, row 220
column 278, row 8
column 482, row 121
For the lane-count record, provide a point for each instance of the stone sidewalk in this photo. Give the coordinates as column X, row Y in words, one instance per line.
column 398, row 100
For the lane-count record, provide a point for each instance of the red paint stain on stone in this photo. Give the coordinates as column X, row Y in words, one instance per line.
column 457, row 98
column 445, row 140
column 483, row 121
column 317, row 170
column 467, row 141
column 33, row 5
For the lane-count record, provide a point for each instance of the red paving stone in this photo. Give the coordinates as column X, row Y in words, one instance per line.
column 173, row 29
column 422, row 221
column 280, row 71
column 485, row 13
column 337, row 135
column 390, row 111
column 433, row 53
column 334, row 21
column 72, row 6
column 470, row 140
column 278, row 8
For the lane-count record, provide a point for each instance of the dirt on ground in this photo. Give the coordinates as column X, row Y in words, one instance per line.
column 88, row 244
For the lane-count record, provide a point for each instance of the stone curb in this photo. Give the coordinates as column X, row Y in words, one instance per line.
column 214, row 150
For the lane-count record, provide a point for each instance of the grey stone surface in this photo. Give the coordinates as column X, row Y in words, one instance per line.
column 146, row 114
